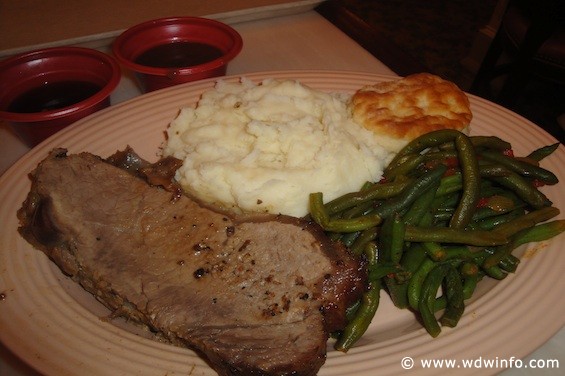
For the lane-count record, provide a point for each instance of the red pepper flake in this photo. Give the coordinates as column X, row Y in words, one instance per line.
column 508, row 152
column 430, row 165
column 450, row 171
column 483, row 201
column 451, row 162
column 538, row 183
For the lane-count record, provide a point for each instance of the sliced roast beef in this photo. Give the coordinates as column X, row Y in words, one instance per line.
column 253, row 295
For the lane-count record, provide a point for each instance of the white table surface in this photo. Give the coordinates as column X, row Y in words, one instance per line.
column 298, row 41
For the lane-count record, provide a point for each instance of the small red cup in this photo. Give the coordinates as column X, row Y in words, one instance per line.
column 139, row 39
column 46, row 90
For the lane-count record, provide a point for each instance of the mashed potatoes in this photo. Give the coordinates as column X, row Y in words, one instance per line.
column 265, row 147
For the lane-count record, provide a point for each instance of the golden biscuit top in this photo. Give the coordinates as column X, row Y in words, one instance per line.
column 409, row 107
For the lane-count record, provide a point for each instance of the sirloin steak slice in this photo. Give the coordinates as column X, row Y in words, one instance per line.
column 254, row 296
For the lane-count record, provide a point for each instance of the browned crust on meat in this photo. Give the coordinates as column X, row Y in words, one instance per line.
column 409, row 107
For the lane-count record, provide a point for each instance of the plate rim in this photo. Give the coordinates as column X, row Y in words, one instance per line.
column 74, row 130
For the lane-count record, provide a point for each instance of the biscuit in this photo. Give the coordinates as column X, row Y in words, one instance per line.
column 399, row 111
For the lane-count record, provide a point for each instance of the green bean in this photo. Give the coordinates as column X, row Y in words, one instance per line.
column 317, row 210
column 470, row 280
column 385, row 240
column 488, row 170
column 421, row 206
column 427, row 220
column 440, row 303
column 364, row 315
column 543, row 152
column 439, row 223
column 363, row 239
column 406, row 158
column 414, row 289
column 494, row 205
column 363, row 208
column 528, row 234
column 434, row 250
column 509, row 263
column 397, row 292
column 351, row 311
column 334, row 236
column 426, row 141
column 468, row 269
column 349, row 238
column 468, row 182
column 367, row 185
column 527, row 220
column 495, row 272
column 376, row 191
column 439, row 155
column 427, row 301
column 371, row 254
column 471, row 182
column 446, row 201
column 455, row 299
column 443, row 214
column 397, row 247
column 410, row 164
column 397, row 284
column 410, row 194
column 504, row 194
column 469, row 167
column 354, row 224
column 426, row 305
column 481, row 257
column 482, row 142
column 539, row 232
column 382, row 270
column 460, row 252
column 391, row 240
column 487, row 212
column 450, row 184
column 469, row 285
column 497, row 220
column 411, row 260
column 489, row 188
column 490, row 142
column 451, row 235
column 413, row 257
column 320, row 216
column 522, row 168
column 524, row 189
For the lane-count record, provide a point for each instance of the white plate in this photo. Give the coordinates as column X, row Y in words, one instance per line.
column 55, row 326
